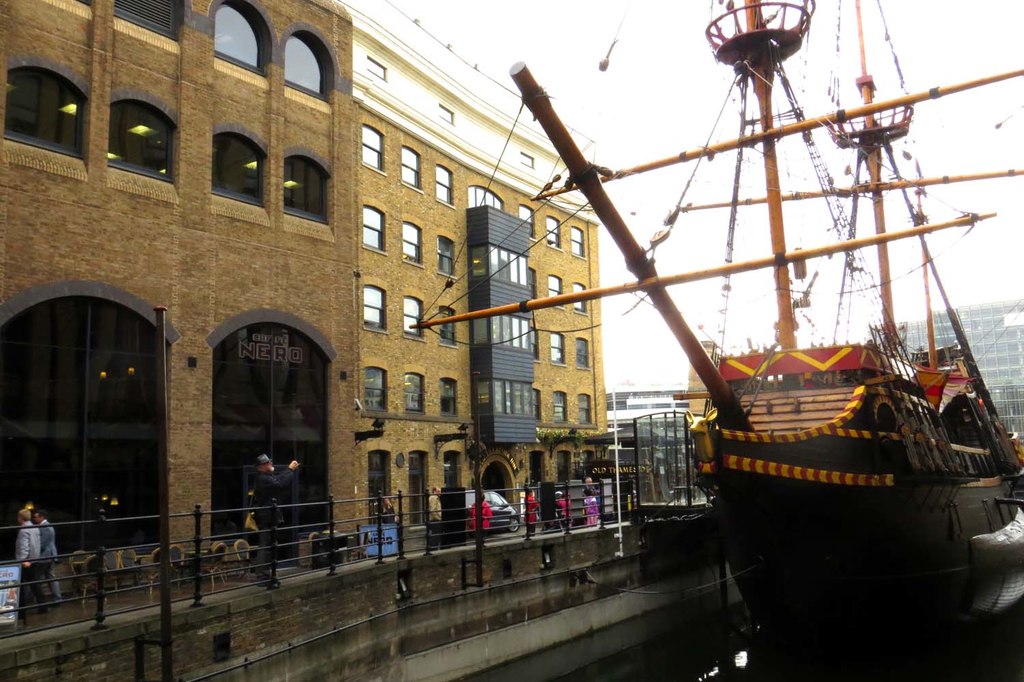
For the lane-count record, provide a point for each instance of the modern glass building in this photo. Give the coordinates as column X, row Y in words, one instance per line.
column 996, row 334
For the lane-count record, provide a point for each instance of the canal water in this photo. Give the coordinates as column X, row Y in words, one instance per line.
column 983, row 653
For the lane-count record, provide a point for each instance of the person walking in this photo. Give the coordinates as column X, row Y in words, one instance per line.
column 270, row 486
column 47, row 553
column 434, row 518
column 26, row 552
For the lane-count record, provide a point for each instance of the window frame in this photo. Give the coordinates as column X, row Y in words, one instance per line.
column 407, row 329
column 556, row 344
column 584, row 409
column 415, row 393
column 445, row 255
column 559, row 403
column 411, row 164
column 445, row 193
column 376, row 69
column 478, row 195
column 448, row 390
column 412, row 249
column 65, row 87
column 322, row 178
column 579, row 306
column 380, row 395
column 382, row 309
column 578, row 247
column 315, row 49
column 379, row 230
column 446, row 331
column 584, row 345
column 553, row 232
column 261, row 159
column 554, row 285
column 259, row 33
column 169, row 137
column 445, row 114
column 526, row 217
column 377, row 152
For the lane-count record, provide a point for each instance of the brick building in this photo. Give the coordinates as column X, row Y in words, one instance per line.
column 235, row 161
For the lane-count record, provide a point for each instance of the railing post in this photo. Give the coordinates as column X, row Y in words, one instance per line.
column 101, row 592
column 197, row 557
column 431, row 533
column 331, row 555
column 567, row 511
column 526, row 511
column 401, row 528
column 273, row 583
column 600, row 503
column 380, row 527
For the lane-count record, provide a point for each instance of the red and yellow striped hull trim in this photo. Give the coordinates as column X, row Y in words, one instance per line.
column 833, row 427
column 760, row 466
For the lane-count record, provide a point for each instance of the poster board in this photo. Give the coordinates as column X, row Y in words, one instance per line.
column 10, row 583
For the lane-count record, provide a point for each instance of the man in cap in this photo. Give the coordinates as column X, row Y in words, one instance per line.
column 270, row 487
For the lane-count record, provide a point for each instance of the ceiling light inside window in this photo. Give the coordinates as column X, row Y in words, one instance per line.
column 290, row 184
column 112, row 155
column 69, row 109
column 142, row 130
column 252, row 165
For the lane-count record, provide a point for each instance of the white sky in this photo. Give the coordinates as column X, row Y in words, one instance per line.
column 662, row 94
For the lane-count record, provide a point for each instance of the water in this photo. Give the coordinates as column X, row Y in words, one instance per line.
column 986, row 653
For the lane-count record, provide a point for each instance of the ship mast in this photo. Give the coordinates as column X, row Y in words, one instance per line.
column 744, row 39
column 873, row 157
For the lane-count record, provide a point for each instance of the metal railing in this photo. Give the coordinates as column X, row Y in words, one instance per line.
column 100, row 580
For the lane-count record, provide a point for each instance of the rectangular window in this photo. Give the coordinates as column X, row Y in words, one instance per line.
column 579, row 306
column 526, row 159
column 449, row 405
column 411, row 251
column 376, row 68
column 412, row 311
column 373, row 308
column 373, row 228
column 582, row 354
column 373, row 148
column 445, row 114
column 557, row 349
column 583, row 408
column 374, row 389
column 526, row 216
column 558, row 406
column 554, row 285
column 554, row 237
column 447, row 331
column 413, row 393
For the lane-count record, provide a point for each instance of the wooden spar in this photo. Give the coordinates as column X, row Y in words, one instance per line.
column 697, row 275
column 864, row 188
column 585, row 176
column 801, row 126
column 929, row 318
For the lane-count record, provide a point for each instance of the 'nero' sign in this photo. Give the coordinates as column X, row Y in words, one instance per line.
column 271, row 347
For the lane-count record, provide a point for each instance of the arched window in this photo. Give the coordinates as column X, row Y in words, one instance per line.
column 305, row 184
column 412, row 248
column 412, row 312
column 413, row 390
column 373, row 148
column 449, row 397
column 410, row 167
column 443, row 184
column 481, row 196
column 583, row 408
column 374, row 315
column 80, row 416
column 373, row 228
column 447, row 331
column 302, row 67
column 269, row 396
column 140, row 139
column 45, row 109
column 237, row 167
column 557, row 349
column 236, row 37
column 378, row 466
column 375, row 389
column 558, row 406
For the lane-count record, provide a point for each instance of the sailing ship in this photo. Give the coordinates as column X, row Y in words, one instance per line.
column 863, row 497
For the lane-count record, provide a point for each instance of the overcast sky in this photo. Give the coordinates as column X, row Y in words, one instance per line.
column 663, row 93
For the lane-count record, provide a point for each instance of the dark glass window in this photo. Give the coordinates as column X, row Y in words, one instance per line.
column 481, row 196
column 413, row 393
column 269, row 395
column 44, row 108
column 452, row 476
column 236, row 39
column 445, row 255
column 447, row 331
column 79, row 412
column 443, row 184
column 583, row 408
column 536, row 404
column 375, row 389
column 449, row 403
column 410, row 167
column 373, row 148
column 373, row 308
column 301, row 66
column 582, row 353
column 305, row 185
column 412, row 252
column 373, row 228
column 412, row 313
column 377, row 467
column 140, row 139
column 237, row 167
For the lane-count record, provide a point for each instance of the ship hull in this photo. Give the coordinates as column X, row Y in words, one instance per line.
column 831, row 555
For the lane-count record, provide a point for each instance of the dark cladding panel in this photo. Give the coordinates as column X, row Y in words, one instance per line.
column 488, row 225
column 506, row 428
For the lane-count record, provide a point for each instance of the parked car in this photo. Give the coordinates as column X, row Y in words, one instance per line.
column 504, row 515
